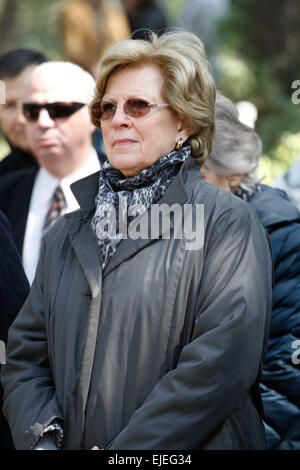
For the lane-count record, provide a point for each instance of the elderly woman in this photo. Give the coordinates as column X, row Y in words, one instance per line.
column 235, row 156
column 140, row 333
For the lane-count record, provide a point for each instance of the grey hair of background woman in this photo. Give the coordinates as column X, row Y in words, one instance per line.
column 236, row 147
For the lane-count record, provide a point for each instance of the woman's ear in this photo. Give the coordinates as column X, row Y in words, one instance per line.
column 184, row 130
column 234, row 181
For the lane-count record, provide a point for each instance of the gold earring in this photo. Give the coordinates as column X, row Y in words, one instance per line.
column 179, row 144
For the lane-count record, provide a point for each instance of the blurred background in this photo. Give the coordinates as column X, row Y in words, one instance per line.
column 253, row 46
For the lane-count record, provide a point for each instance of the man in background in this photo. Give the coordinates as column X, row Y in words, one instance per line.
column 59, row 130
column 89, row 27
column 15, row 68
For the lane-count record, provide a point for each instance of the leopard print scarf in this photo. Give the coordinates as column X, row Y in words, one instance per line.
column 139, row 192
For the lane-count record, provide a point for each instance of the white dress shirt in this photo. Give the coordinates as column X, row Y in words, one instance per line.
column 41, row 198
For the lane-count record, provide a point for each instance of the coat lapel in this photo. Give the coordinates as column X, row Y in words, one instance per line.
column 80, row 231
column 86, row 248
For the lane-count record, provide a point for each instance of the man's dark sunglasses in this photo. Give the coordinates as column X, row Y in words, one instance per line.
column 55, row 110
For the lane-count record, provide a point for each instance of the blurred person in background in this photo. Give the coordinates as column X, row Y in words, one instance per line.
column 14, row 289
column 235, row 156
column 290, row 182
column 59, row 129
column 89, row 27
column 15, row 68
column 145, row 14
column 145, row 342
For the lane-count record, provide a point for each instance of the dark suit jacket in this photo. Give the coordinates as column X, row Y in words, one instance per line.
column 15, row 194
column 14, row 289
column 16, row 160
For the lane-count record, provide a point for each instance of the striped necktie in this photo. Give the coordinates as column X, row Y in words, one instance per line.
column 56, row 210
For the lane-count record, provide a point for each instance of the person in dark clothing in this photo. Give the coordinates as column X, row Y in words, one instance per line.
column 17, row 159
column 14, row 289
column 15, row 68
column 281, row 376
column 142, row 341
column 235, row 156
column 145, row 14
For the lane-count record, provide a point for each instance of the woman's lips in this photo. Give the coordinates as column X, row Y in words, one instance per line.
column 123, row 142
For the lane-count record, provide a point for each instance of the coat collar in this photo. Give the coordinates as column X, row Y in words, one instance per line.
column 82, row 237
column 86, row 189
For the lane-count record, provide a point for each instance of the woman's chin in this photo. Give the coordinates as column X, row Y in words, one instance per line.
column 130, row 172
column 127, row 164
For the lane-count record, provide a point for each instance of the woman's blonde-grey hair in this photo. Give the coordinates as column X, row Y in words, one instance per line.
column 236, row 147
column 188, row 86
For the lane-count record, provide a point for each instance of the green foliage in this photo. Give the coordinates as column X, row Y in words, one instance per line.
column 281, row 158
column 38, row 26
column 172, row 8
column 237, row 79
column 257, row 63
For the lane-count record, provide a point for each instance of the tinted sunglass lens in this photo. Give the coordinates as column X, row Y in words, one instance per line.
column 55, row 110
column 137, row 108
column 96, row 111
column 61, row 110
column 106, row 111
column 31, row 112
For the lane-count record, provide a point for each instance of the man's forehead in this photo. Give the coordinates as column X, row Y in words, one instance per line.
column 50, row 95
column 46, row 86
column 15, row 86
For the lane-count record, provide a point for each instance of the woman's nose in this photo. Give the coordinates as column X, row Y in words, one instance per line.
column 120, row 118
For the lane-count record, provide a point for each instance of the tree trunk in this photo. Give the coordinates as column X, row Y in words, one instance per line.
column 7, row 25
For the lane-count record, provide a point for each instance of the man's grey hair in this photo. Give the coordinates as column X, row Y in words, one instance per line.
column 236, row 147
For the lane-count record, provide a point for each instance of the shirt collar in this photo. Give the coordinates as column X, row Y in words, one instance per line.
column 47, row 180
